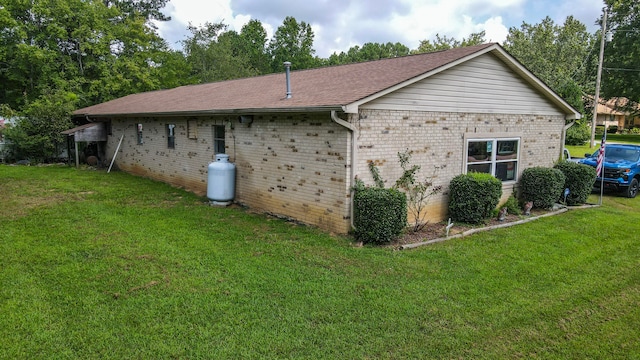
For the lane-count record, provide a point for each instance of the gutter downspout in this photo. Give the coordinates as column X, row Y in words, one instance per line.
column 564, row 137
column 354, row 148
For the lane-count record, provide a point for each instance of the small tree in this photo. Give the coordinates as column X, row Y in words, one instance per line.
column 578, row 134
column 418, row 192
column 37, row 134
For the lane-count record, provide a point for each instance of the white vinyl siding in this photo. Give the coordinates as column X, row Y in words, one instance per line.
column 481, row 85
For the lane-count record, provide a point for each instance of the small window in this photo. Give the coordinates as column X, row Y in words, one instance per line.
column 218, row 139
column 171, row 137
column 498, row 157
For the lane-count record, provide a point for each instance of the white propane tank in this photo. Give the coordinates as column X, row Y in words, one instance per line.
column 221, row 181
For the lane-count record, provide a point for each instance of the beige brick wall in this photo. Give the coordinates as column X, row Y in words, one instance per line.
column 184, row 166
column 297, row 165
column 437, row 141
column 292, row 165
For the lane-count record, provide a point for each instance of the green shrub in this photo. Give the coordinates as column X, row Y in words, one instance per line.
column 635, row 130
column 380, row 215
column 512, row 205
column 578, row 134
column 473, row 197
column 612, row 129
column 541, row 185
column 579, row 179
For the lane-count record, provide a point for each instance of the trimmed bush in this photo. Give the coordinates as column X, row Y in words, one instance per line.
column 473, row 197
column 380, row 215
column 578, row 134
column 512, row 205
column 579, row 179
column 542, row 185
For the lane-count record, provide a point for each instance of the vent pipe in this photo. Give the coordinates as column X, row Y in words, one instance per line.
column 287, row 68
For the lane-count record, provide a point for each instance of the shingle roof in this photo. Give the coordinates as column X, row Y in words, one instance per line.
column 333, row 86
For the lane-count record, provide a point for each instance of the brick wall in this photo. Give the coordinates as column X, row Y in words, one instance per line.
column 297, row 165
column 437, row 143
column 292, row 165
column 184, row 166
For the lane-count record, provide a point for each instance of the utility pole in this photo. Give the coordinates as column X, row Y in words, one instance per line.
column 596, row 98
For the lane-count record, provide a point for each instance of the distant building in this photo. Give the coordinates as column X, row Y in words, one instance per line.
column 617, row 111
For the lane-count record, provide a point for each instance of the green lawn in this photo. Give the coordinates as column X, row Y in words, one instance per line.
column 581, row 150
column 97, row 265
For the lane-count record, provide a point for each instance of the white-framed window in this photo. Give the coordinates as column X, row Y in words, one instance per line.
column 498, row 157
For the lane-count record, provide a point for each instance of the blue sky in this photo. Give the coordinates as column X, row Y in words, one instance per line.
column 341, row 24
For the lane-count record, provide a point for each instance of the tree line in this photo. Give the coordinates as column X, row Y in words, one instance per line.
column 59, row 55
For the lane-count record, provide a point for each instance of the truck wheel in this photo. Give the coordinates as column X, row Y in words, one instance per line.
column 632, row 190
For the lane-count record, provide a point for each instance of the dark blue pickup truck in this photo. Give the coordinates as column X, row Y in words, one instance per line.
column 621, row 168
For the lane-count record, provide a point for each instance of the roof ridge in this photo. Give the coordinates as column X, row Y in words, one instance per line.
column 466, row 48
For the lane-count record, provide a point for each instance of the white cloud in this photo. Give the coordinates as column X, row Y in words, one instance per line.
column 495, row 30
column 341, row 24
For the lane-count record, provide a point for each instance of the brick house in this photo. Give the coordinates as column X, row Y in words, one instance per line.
column 617, row 111
column 465, row 109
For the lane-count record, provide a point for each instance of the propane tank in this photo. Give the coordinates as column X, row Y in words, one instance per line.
column 221, row 180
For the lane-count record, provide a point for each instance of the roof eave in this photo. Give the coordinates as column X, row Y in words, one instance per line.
column 304, row 109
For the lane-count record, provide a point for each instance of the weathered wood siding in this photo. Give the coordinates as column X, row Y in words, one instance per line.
column 481, row 85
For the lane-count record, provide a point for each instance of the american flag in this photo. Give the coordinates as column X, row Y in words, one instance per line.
column 600, row 161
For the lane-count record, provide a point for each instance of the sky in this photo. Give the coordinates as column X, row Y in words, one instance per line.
column 341, row 24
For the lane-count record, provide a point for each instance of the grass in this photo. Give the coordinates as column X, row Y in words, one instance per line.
column 98, row 265
column 580, row 150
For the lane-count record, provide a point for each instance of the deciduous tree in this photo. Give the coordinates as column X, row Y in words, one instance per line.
column 446, row 43
column 293, row 42
column 97, row 49
column 215, row 54
column 368, row 52
column 557, row 54
column 621, row 75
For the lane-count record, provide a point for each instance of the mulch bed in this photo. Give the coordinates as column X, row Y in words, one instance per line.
column 438, row 230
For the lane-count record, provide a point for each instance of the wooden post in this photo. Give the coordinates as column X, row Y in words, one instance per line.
column 116, row 153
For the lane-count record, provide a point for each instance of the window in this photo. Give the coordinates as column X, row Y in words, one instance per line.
column 171, row 136
column 218, row 139
column 498, row 157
